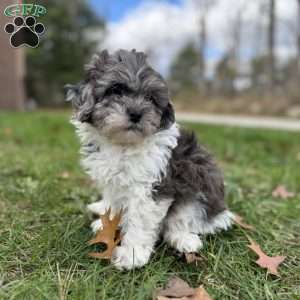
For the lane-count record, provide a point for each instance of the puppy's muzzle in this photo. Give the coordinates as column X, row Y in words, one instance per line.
column 134, row 116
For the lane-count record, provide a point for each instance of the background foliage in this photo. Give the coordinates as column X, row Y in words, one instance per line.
column 60, row 57
column 265, row 84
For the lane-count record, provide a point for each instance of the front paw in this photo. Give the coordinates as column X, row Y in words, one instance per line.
column 96, row 208
column 96, row 226
column 94, row 211
column 127, row 257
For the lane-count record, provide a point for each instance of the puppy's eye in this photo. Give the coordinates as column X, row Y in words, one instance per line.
column 117, row 90
column 150, row 98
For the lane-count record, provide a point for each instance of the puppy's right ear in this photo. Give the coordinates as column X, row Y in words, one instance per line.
column 82, row 100
column 95, row 68
column 71, row 92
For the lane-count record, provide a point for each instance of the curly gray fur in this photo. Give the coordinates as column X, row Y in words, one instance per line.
column 124, row 100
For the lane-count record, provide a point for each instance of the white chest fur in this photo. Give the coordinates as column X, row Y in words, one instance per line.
column 125, row 172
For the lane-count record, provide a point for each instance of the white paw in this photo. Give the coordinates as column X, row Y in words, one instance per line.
column 97, row 208
column 184, row 242
column 96, row 225
column 222, row 221
column 127, row 257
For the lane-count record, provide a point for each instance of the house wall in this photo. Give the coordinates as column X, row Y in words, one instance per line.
column 12, row 67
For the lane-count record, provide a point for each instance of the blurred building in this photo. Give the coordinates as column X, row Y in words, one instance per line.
column 12, row 67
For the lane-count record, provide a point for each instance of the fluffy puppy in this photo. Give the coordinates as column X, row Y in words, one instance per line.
column 165, row 182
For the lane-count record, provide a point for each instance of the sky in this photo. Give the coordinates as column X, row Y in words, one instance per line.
column 115, row 10
column 163, row 27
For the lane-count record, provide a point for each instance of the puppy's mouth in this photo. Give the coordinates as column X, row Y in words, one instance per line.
column 132, row 134
column 134, row 127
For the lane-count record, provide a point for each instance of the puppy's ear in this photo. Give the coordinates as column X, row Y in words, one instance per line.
column 95, row 68
column 71, row 92
column 82, row 100
column 168, row 117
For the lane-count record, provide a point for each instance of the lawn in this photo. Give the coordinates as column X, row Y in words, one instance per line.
column 44, row 228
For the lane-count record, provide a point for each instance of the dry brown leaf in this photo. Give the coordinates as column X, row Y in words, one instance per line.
column 178, row 289
column 192, row 258
column 64, row 174
column 7, row 131
column 108, row 235
column 281, row 192
column 240, row 221
column 265, row 261
column 201, row 294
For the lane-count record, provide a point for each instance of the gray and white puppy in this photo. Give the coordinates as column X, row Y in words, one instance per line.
column 165, row 182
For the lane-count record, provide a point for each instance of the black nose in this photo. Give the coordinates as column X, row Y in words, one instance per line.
column 135, row 116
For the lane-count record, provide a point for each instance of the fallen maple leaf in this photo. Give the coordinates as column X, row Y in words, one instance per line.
column 240, row 221
column 178, row 289
column 108, row 235
column 265, row 261
column 192, row 258
column 281, row 192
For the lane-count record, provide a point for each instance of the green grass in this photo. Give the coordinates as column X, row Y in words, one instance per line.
column 44, row 228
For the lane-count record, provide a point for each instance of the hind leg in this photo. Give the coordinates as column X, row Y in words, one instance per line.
column 186, row 220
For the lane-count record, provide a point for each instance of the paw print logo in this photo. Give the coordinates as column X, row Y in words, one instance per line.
column 24, row 32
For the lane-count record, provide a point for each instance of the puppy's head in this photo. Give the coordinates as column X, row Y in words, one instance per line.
column 122, row 97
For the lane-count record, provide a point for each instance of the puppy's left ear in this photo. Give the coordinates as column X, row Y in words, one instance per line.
column 71, row 92
column 168, row 117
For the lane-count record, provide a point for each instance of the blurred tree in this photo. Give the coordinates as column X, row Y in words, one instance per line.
column 235, row 34
column 259, row 72
column 229, row 64
column 204, row 6
column 258, row 35
column 63, row 49
column 298, row 38
column 225, row 75
column 289, row 85
column 185, row 72
column 271, row 43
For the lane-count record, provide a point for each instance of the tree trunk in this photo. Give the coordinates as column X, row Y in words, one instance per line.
column 204, row 6
column 236, row 37
column 202, row 46
column 298, row 58
column 271, row 43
